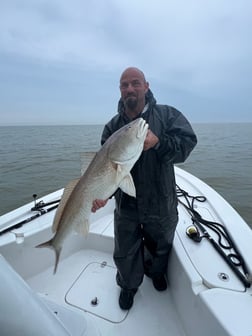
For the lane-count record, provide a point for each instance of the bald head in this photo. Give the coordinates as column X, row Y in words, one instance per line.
column 132, row 71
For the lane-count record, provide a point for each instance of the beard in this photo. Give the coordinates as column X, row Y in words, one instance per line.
column 131, row 102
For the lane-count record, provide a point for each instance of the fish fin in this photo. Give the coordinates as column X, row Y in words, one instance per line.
column 66, row 194
column 86, row 159
column 82, row 227
column 57, row 251
column 127, row 186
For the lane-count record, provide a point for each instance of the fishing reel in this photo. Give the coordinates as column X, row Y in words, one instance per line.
column 37, row 205
column 194, row 234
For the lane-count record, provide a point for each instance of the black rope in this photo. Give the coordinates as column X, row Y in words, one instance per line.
column 234, row 260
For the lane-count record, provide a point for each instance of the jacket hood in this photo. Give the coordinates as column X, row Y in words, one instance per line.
column 149, row 98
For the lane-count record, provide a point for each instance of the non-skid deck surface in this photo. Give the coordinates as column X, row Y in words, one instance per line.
column 86, row 282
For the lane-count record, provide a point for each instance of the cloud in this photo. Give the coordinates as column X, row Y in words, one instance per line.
column 191, row 49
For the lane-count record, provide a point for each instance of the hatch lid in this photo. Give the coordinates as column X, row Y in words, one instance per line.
column 94, row 291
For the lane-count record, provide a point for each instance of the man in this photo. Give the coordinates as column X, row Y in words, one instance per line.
column 145, row 225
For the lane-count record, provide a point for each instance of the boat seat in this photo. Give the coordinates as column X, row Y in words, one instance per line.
column 25, row 313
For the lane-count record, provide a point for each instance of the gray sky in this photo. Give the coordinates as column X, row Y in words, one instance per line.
column 60, row 61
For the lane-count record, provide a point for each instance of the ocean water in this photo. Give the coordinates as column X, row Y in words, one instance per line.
column 42, row 159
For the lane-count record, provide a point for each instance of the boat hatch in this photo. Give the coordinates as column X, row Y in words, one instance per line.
column 94, row 291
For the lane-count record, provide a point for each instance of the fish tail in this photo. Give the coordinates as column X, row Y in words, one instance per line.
column 56, row 250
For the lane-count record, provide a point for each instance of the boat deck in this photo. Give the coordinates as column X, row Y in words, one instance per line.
column 85, row 282
column 204, row 295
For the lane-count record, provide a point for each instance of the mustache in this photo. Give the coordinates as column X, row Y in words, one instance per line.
column 130, row 95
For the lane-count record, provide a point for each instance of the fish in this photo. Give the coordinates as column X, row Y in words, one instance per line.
column 109, row 170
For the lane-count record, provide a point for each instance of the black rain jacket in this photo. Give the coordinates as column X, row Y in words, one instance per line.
column 153, row 173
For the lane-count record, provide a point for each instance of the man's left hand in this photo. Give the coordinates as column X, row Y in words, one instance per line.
column 151, row 140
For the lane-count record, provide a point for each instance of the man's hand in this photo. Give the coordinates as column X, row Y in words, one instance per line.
column 98, row 203
column 150, row 141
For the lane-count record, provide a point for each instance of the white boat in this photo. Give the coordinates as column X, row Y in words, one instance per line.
column 207, row 294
